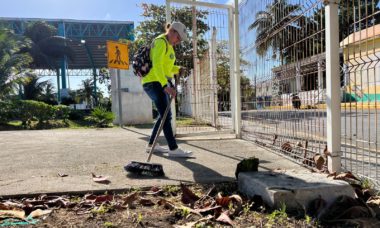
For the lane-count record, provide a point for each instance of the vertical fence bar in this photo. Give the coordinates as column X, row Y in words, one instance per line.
column 236, row 95
column 333, row 86
column 232, row 61
column 173, row 103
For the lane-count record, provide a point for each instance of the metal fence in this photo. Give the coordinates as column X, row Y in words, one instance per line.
column 284, row 57
column 203, row 103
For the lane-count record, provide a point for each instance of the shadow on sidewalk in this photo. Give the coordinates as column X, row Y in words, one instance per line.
column 201, row 173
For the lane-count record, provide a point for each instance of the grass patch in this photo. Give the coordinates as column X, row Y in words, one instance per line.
column 188, row 121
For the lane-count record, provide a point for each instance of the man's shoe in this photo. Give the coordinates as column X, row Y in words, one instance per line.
column 157, row 149
column 180, row 153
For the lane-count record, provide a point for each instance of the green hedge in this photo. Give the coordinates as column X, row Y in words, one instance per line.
column 29, row 110
column 6, row 114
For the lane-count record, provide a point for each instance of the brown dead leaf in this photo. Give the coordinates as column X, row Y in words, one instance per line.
column 103, row 198
column 332, row 174
column 100, row 179
column 38, row 213
column 374, row 200
column 286, row 147
column 188, row 197
column 128, row 200
column 167, row 204
column 207, row 209
column 319, row 161
column 146, row 202
column 224, row 218
column 222, row 201
column 12, row 214
column 237, row 203
column 62, row 175
column 89, row 197
column 4, row 207
column 345, row 176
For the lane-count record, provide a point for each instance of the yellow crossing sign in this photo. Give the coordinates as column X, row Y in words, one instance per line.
column 117, row 54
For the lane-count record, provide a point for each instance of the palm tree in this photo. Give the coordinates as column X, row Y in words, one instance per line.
column 85, row 93
column 34, row 88
column 48, row 96
column 12, row 63
column 274, row 28
column 47, row 48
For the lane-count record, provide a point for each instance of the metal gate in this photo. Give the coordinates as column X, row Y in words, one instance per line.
column 203, row 103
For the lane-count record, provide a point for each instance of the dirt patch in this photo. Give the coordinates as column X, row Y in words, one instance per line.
column 217, row 205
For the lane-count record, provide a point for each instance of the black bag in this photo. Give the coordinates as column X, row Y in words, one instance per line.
column 141, row 61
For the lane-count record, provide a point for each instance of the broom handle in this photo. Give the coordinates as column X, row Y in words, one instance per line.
column 163, row 119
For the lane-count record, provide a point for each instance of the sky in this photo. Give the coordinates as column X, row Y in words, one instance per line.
column 114, row 10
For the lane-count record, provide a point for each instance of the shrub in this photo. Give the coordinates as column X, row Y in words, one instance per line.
column 28, row 110
column 61, row 112
column 43, row 112
column 101, row 117
column 5, row 111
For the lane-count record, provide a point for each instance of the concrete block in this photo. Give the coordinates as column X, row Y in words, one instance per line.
column 295, row 189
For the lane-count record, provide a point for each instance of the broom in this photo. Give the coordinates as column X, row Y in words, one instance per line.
column 147, row 168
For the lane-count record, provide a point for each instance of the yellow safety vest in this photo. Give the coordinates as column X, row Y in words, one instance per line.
column 163, row 57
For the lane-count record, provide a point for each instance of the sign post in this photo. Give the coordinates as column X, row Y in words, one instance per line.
column 118, row 58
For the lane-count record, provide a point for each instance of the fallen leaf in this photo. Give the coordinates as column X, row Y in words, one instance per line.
column 345, row 176
column 90, row 197
column 223, row 217
column 146, row 202
column 12, row 214
column 130, row 198
column 287, row 147
column 319, row 161
column 237, row 202
column 4, row 206
column 188, row 197
column 103, row 198
column 222, row 201
column 192, row 224
column 100, row 179
column 207, row 209
column 62, row 175
column 374, row 200
column 167, row 204
column 38, row 213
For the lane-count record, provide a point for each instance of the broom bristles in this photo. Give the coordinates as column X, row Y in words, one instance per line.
column 143, row 168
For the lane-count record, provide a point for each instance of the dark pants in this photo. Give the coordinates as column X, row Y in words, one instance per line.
column 161, row 100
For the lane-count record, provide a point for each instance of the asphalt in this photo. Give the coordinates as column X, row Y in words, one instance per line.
column 30, row 161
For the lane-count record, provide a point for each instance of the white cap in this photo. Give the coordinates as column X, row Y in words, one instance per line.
column 181, row 29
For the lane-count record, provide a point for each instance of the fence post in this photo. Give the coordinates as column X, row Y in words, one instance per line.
column 333, row 86
column 236, row 95
column 213, row 78
column 172, row 107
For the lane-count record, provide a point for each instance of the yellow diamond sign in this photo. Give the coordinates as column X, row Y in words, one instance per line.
column 117, row 54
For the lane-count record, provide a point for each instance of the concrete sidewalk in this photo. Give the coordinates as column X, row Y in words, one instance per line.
column 31, row 160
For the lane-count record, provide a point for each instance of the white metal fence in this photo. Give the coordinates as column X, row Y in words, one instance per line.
column 309, row 80
column 204, row 95
column 288, row 60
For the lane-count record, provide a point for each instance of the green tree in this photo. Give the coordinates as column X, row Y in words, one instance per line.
column 47, row 48
column 154, row 25
column 268, row 25
column 86, row 92
column 223, row 78
column 355, row 15
column 48, row 96
column 13, row 64
column 33, row 87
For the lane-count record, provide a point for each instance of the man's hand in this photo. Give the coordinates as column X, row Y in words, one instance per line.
column 171, row 91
